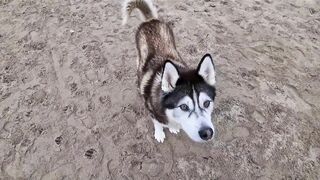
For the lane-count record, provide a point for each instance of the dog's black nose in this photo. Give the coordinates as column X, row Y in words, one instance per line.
column 206, row 133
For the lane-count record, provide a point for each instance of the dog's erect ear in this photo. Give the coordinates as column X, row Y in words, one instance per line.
column 170, row 77
column 206, row 70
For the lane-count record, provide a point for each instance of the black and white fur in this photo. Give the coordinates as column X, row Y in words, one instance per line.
column 177, row 96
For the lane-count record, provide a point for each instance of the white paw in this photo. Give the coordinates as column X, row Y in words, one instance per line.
column 159, row 136
column 174, row 130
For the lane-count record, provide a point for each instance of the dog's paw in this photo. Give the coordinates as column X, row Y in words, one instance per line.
column 174, row 130
column 159, row 136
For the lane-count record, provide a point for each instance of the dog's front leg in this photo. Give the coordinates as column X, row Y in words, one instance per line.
column 174, row 130
column 158, row 131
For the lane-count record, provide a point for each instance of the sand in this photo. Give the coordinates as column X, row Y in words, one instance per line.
column 70, row 108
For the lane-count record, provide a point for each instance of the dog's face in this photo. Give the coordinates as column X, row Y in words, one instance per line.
column 188, row 98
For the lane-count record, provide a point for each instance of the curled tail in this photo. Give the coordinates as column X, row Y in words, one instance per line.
column 146, row 7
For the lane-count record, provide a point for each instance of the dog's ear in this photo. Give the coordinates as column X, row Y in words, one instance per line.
column 170, row 76
column 206, row 70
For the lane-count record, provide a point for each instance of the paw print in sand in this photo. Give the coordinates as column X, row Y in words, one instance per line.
column 58, row 140
column 89, row 153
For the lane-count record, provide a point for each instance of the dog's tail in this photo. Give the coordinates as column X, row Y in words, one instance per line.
column 146, row 7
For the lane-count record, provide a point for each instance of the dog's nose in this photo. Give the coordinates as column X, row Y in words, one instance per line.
column 206, row 133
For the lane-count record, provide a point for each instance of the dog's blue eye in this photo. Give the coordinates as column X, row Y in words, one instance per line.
column 206, row 104
column 184, row 107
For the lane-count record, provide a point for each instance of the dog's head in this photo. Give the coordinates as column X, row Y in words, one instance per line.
column 188, row 97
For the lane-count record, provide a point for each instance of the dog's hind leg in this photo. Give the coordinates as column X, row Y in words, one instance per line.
column 158, row 131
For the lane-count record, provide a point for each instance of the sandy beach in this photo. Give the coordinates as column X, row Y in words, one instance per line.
column 70, row 107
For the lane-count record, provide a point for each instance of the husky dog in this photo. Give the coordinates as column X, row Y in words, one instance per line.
column 177, row 96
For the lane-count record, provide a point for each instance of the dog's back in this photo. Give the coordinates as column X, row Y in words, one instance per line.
column 155, row 44
column 154, row 38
